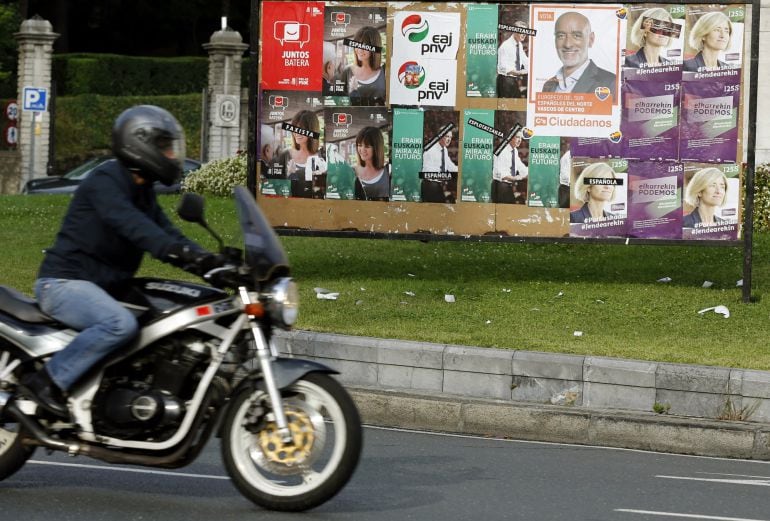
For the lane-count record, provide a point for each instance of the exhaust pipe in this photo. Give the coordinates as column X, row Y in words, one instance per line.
column 9, row 411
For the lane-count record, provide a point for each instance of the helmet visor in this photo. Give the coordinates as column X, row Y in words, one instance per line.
column 172, row 148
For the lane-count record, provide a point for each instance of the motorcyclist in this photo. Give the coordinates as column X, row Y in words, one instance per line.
column 112, row 220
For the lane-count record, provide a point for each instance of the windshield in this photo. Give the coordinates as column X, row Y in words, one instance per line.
column 264, row 253
column 83, row 170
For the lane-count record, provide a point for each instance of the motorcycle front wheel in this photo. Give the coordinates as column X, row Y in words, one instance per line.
column 306, row 472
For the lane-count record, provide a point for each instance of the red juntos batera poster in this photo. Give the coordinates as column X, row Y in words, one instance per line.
column 292, row 45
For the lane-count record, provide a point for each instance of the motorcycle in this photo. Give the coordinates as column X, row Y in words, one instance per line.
column 203, row 363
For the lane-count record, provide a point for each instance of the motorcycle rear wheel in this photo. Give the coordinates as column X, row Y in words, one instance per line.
column 13, row 455
column 327, row 439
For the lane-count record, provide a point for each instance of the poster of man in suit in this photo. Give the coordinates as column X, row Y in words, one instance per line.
column 574, row 82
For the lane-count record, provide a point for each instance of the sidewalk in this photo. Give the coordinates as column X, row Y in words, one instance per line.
column 548, row 397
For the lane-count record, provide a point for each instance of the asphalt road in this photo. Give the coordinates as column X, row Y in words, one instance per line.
column 413, row 476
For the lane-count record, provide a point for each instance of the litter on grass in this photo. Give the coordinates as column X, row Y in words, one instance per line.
column 665, row 279
column 449, row 298
column 325, row 294
column 720, row 310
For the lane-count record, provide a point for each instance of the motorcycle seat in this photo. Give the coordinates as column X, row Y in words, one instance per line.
column 22, row 307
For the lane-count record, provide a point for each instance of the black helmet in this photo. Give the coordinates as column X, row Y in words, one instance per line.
column 150, row 139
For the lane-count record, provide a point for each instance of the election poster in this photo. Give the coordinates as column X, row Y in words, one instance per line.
column 711, row 201
column 423, row 81
column 354, row 52
column 611, row 146
column 544, row 169
column 291, row 132
column 655, row 199
column 439, row 171
column 359, row 101
column 510, row 161
column 650, row 124
column 714, row 39
column 514, row 37
column 406, row 154
column 478, row 141
column 292, row 45
column 654, row 39
column 709, row 123
column 357, row 141
column 481, row 51
column 599, row 197
column 423, row 68
column 574, row 79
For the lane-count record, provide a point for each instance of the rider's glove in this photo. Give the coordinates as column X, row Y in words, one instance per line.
column 180, row 255
column 207, row 262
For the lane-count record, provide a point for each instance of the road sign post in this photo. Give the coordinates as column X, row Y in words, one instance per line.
column 35, row 100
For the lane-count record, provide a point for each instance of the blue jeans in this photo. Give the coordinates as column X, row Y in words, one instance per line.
column 104, row 325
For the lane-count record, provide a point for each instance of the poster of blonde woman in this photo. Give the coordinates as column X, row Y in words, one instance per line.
column 655, row 36
column 714, row 38
column 711, row 201
column 598, row 206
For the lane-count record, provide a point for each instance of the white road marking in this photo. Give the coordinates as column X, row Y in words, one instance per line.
column 121, row 469
column 758, row 482
column 688, row 516
column 557, row 444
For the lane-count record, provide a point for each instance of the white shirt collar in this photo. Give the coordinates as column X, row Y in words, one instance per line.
column 568, row 83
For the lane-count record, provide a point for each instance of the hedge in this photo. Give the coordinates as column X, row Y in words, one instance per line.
column 116, row 75
column 84, row 123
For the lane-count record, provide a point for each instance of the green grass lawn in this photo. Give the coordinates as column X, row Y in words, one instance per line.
column 516, row 296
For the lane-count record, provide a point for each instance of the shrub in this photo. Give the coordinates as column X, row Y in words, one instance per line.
column 115, row 75
column 217, row 177
column 762, row 197
column 84, row 123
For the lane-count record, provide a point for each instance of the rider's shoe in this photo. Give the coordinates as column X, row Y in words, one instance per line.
column 46, row 393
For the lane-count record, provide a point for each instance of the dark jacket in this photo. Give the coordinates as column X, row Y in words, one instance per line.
column 698, row 64
column 639, row 59
column 109, row 224
column 582, row 214
column 692, row 219
column 592, row 78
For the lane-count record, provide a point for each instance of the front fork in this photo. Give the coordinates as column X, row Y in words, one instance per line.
column 265, row 356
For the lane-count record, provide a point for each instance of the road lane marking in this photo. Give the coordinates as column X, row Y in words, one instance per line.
column 758, row 482
column 688, row 516
column 121, row 469
column 558, row 444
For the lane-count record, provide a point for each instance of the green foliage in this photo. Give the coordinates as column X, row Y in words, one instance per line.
column 762, row 197
column 218, row 177
column 84, row 123
column 9, row 24
column 661, row 408
column 115, row 75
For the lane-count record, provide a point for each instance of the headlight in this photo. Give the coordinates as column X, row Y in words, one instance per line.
column 283, row 302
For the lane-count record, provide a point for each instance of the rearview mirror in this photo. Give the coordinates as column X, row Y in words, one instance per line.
column 191, row 208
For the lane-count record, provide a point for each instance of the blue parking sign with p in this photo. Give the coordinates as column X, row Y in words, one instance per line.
column 35, row 99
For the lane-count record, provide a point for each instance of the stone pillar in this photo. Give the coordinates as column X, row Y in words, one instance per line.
column 35, row 39
column 225, row 50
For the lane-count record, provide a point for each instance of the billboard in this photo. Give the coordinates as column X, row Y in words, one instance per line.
column 558, row 120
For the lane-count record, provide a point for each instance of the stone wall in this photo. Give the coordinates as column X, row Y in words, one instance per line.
column 10, row 163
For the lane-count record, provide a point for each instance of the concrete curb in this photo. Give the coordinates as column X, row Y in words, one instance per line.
column 511, row 393
column 610, row 428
